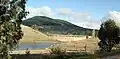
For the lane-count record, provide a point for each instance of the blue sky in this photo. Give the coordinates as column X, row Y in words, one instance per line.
column 95, row 9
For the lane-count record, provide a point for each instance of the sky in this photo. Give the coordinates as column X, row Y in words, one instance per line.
column 85, row 13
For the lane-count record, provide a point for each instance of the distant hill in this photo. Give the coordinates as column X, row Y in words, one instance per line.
column 55, row 26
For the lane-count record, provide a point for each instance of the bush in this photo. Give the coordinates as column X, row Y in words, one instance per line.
column 57, row 50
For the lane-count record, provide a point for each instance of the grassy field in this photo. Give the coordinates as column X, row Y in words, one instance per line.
column 89, row 44
column 32, row 36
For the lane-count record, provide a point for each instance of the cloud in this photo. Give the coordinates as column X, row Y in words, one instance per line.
column 42, row 11
column 93, row 24
column 113, row 15
column 74, row 15
column 83, row 19
column 89, row 24
column 79, row 16
column 64, row 11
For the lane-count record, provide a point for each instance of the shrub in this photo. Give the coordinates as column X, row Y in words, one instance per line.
column 57, row 50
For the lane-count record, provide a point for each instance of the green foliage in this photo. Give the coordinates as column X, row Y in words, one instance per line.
column 109, row 35
column 35, row 27
column 110, row 25
column 57, row 50
column 11, row 15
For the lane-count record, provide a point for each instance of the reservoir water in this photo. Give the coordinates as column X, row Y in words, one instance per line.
column 36, row 46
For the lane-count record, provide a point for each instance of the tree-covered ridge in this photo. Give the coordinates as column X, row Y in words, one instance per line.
column 56, row 26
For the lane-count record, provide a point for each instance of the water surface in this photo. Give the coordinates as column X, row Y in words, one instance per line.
column 36, row 46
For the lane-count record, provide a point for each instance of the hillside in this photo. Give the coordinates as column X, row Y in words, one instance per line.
column 55, row 26
column 31, row 35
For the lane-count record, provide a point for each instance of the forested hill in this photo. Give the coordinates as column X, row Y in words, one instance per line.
column 55, row 26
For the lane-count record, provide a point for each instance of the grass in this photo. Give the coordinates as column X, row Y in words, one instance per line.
column 32, row 36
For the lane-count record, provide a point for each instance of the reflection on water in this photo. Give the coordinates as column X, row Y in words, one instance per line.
column 33, row 46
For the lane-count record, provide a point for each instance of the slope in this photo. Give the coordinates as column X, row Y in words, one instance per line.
column 31, row 35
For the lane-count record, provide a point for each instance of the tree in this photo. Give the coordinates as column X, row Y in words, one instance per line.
column 11, row 14
column 35, row 27
column 109, row 35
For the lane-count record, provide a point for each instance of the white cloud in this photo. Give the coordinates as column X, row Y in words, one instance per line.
column 74, row 15
column 42, row 11
column 65, row 11
column 83, row 19
column 93, row 24
column 79, row 16
column 89, row 24
column 114, row 15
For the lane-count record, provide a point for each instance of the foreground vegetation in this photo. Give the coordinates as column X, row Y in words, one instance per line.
column 53, row 56
column 11, row 14
column 67, row 55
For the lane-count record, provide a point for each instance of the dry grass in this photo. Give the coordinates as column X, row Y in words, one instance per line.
column 68, row 38
column 91, row 45
column 32, row 36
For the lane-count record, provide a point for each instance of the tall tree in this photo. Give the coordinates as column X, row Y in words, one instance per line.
column 109, row 35
column 11, row 14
